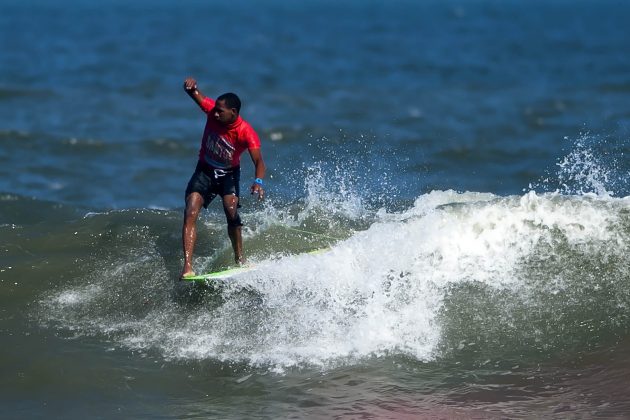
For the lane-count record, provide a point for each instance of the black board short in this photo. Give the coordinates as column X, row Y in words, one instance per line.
column 211, row 182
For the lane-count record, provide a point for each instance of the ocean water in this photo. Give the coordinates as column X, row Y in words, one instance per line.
column 464, row 161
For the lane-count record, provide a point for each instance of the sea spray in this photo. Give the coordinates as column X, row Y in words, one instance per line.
column 382, row 291
column 475, row 274
column 565, row 293
column 456, row 273
column 594, row 164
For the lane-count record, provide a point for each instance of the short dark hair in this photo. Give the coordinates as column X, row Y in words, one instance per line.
column 231, row 100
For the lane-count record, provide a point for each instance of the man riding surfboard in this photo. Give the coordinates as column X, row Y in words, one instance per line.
column 226, row 136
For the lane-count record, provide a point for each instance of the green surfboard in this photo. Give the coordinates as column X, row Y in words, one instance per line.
column 232, row 272
column 219, row 275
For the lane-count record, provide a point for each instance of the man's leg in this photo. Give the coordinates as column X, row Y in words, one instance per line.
column 230, row 206
column 194, row 202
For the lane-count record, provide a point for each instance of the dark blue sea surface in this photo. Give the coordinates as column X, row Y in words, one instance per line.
column 465, row 161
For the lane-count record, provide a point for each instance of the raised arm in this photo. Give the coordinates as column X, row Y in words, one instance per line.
column 190, row 86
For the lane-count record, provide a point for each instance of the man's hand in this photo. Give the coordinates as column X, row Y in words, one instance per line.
column 259, row 170
column 258, row 189
column 190, row 85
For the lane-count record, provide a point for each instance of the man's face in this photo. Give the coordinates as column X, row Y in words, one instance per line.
column 223, row 114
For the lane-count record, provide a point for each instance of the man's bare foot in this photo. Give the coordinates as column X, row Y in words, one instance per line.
column 240, row 261
column 188, row 273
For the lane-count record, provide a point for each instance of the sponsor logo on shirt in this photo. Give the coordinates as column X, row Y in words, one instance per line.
column 219, row 150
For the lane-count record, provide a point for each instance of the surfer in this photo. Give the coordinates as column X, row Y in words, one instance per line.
column 225, row 137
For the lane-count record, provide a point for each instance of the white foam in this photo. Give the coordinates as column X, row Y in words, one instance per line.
column 380, row 292
column 377, row 293
column 77, row 296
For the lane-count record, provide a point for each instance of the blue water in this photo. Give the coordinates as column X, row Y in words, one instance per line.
column 465, row 160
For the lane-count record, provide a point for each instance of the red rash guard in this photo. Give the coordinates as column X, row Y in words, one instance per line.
column 222, row 146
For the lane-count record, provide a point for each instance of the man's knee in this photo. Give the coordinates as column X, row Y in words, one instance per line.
column 230, row 206
column 234, row 221
column 194, row 202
